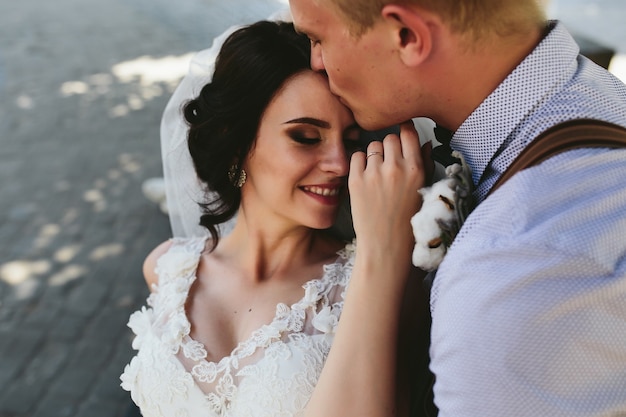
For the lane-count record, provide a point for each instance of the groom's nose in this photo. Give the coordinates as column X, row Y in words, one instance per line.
column 317, row 62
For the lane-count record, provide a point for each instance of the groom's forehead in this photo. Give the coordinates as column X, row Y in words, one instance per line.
column 308, row 14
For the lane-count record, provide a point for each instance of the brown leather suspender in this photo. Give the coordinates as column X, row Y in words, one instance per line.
column 579, row 133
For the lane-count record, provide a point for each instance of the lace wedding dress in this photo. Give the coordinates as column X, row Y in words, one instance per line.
column 272, row 373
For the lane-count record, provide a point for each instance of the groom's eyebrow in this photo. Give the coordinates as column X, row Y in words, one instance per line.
column 309, row 121
column 303, row 32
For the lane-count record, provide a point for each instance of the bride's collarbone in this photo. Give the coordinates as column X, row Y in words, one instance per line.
column 224, row 313
column 225, row 305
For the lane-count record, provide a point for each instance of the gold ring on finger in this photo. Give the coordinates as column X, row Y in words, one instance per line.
column 372, row 154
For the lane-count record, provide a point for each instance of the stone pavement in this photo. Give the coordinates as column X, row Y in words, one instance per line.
column 82, row 87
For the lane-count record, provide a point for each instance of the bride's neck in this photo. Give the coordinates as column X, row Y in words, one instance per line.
column 264, row 254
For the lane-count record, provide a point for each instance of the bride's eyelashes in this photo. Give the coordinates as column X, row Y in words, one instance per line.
column 304, row 138
column 351, row 144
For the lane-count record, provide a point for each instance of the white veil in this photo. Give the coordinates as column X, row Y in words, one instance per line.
column 183, row 190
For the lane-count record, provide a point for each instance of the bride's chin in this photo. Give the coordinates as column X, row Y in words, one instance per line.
column 323, row 224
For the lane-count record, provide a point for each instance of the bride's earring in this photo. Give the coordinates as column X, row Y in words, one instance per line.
column 237, row 176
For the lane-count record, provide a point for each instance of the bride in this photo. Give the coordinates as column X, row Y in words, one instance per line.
column 261, row 321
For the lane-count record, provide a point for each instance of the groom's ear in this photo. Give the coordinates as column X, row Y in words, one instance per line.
column 411, row 30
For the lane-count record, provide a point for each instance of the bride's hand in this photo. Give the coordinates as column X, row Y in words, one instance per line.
column 383, row 185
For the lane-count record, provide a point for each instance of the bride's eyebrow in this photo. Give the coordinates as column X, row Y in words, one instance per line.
column 309, row 121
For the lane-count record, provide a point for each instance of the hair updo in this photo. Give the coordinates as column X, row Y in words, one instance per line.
column 252, row 65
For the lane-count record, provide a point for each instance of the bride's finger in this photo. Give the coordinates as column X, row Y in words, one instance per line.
column 392, row 148
column 410, row 142
column 375, row 153
column 357, row 163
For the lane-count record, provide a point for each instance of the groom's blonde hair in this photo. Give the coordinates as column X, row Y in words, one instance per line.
column 476, row 18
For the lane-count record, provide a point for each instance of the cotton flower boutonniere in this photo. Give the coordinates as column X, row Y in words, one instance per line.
column 445, row 206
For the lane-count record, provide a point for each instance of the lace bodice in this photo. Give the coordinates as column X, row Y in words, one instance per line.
column 272, row 373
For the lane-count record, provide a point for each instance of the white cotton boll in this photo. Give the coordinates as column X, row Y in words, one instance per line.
column 425, row 226
column 453, row 169
column 440, row 188
column 425, row 257
column 445, row 206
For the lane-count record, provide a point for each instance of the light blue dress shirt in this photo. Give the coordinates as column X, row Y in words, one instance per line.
column 529, row 305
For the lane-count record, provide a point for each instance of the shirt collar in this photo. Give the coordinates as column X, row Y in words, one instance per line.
column 551, row 64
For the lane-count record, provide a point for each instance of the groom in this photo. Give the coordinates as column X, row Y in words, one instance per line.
column 529, row 306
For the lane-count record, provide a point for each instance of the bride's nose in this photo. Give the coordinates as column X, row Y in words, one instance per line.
column 335, row 159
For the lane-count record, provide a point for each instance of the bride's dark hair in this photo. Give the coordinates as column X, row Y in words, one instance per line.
column 252, row 65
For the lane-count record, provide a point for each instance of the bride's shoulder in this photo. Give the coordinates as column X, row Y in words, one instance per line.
column 181, row 250
column 149, row 264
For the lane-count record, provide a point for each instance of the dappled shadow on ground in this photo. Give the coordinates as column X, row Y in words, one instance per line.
column 74, row 229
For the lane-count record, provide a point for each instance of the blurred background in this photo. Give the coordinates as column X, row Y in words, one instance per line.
column 83, row 84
